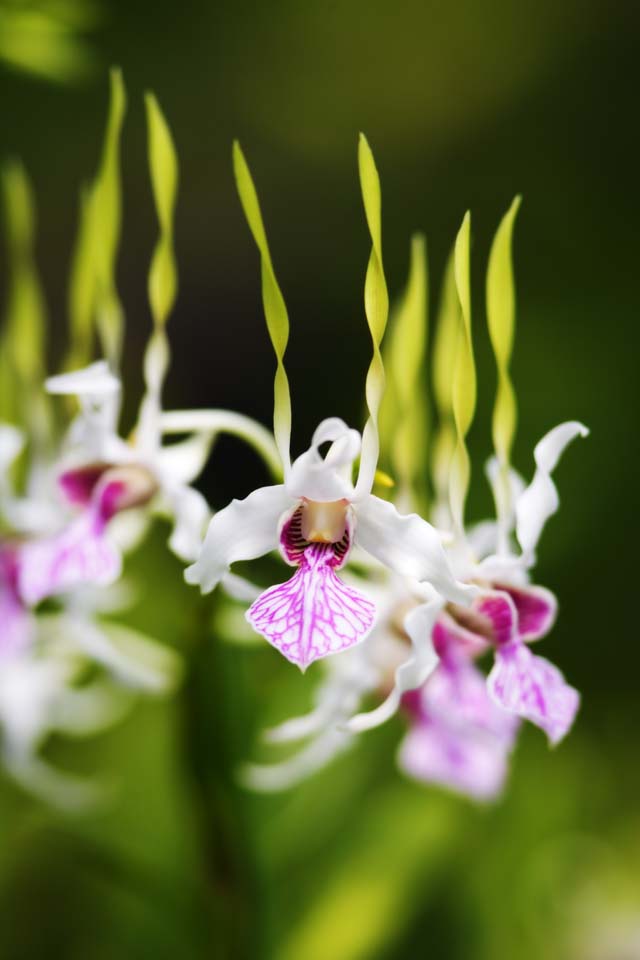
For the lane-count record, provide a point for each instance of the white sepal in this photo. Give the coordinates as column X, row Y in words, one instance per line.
column 540, row 499
column 244, row 530
column 328, row 478
column 408, row 545
column 411, row 674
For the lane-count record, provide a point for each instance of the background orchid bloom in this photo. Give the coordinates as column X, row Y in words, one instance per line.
column 315, row 518
column 458, row 737
column 510, row 613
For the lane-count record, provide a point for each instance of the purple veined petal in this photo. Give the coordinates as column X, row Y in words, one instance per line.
column 537, row 608
column 533, row 688
column 474, row 765
column 456, row 694
column 81, row 553
column 459, row 737
column 314, row 614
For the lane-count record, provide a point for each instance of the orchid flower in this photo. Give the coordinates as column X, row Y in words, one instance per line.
column 462, row 725
column 317, row 515
column 510, row 613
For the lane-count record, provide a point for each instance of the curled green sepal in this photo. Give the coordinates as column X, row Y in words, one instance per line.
column 106, row 216
column 501, row 323
column 275, row 310
column 445, row 345
column 464, row 380
column 23, row 341
column 163, row 275
column 163, row 166
column 376, row 305
column 82, row 289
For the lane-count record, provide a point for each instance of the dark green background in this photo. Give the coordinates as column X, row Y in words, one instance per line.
column 465, row 104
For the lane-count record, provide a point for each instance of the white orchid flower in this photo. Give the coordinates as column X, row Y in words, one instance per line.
column 104, row 475
column 315, row 518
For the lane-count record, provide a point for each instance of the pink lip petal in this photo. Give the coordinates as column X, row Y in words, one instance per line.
column 79, row 554
column 459, row 737
column 500, row 611
column 535, row 689
column 314, row 614
column 474, row 764
column 537, row 608
column 451, row 638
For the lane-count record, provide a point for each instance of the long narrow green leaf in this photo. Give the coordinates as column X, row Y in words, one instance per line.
column 405, row 429
column 501, row 310
column 464, row 380
column 445, row 347
column 376, row 304
column 23, row 341
column 82, row 290
column 163, row 273
column 163, row 164
column 106, row 215
column 275, row 310
column 93, row 298
column 501, row 322
column 25, row 313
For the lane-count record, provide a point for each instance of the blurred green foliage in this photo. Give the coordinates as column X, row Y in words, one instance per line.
column 465, row 105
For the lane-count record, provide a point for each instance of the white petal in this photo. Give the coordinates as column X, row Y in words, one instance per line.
column 483, row 538
column 540, row 500
column 11, row 443
column 89, row 709
column 137, row 660
column 326, row 478
column 244, row 530
column 96, row 380
column 212, row 422
column 408, row 545
column 270, row 778
column 410, row 675
column 182, row 462
column 190, row 513
column 349, row 678
column 65, row 790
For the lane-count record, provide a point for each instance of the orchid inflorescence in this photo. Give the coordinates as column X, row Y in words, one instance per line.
column 401, row 611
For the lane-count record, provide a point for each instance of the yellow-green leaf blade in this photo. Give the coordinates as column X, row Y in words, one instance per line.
column 406, row 426
column 163, row 165
column 464, row 380
column 376, row 301
column 501, row 322
column 275, row 309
